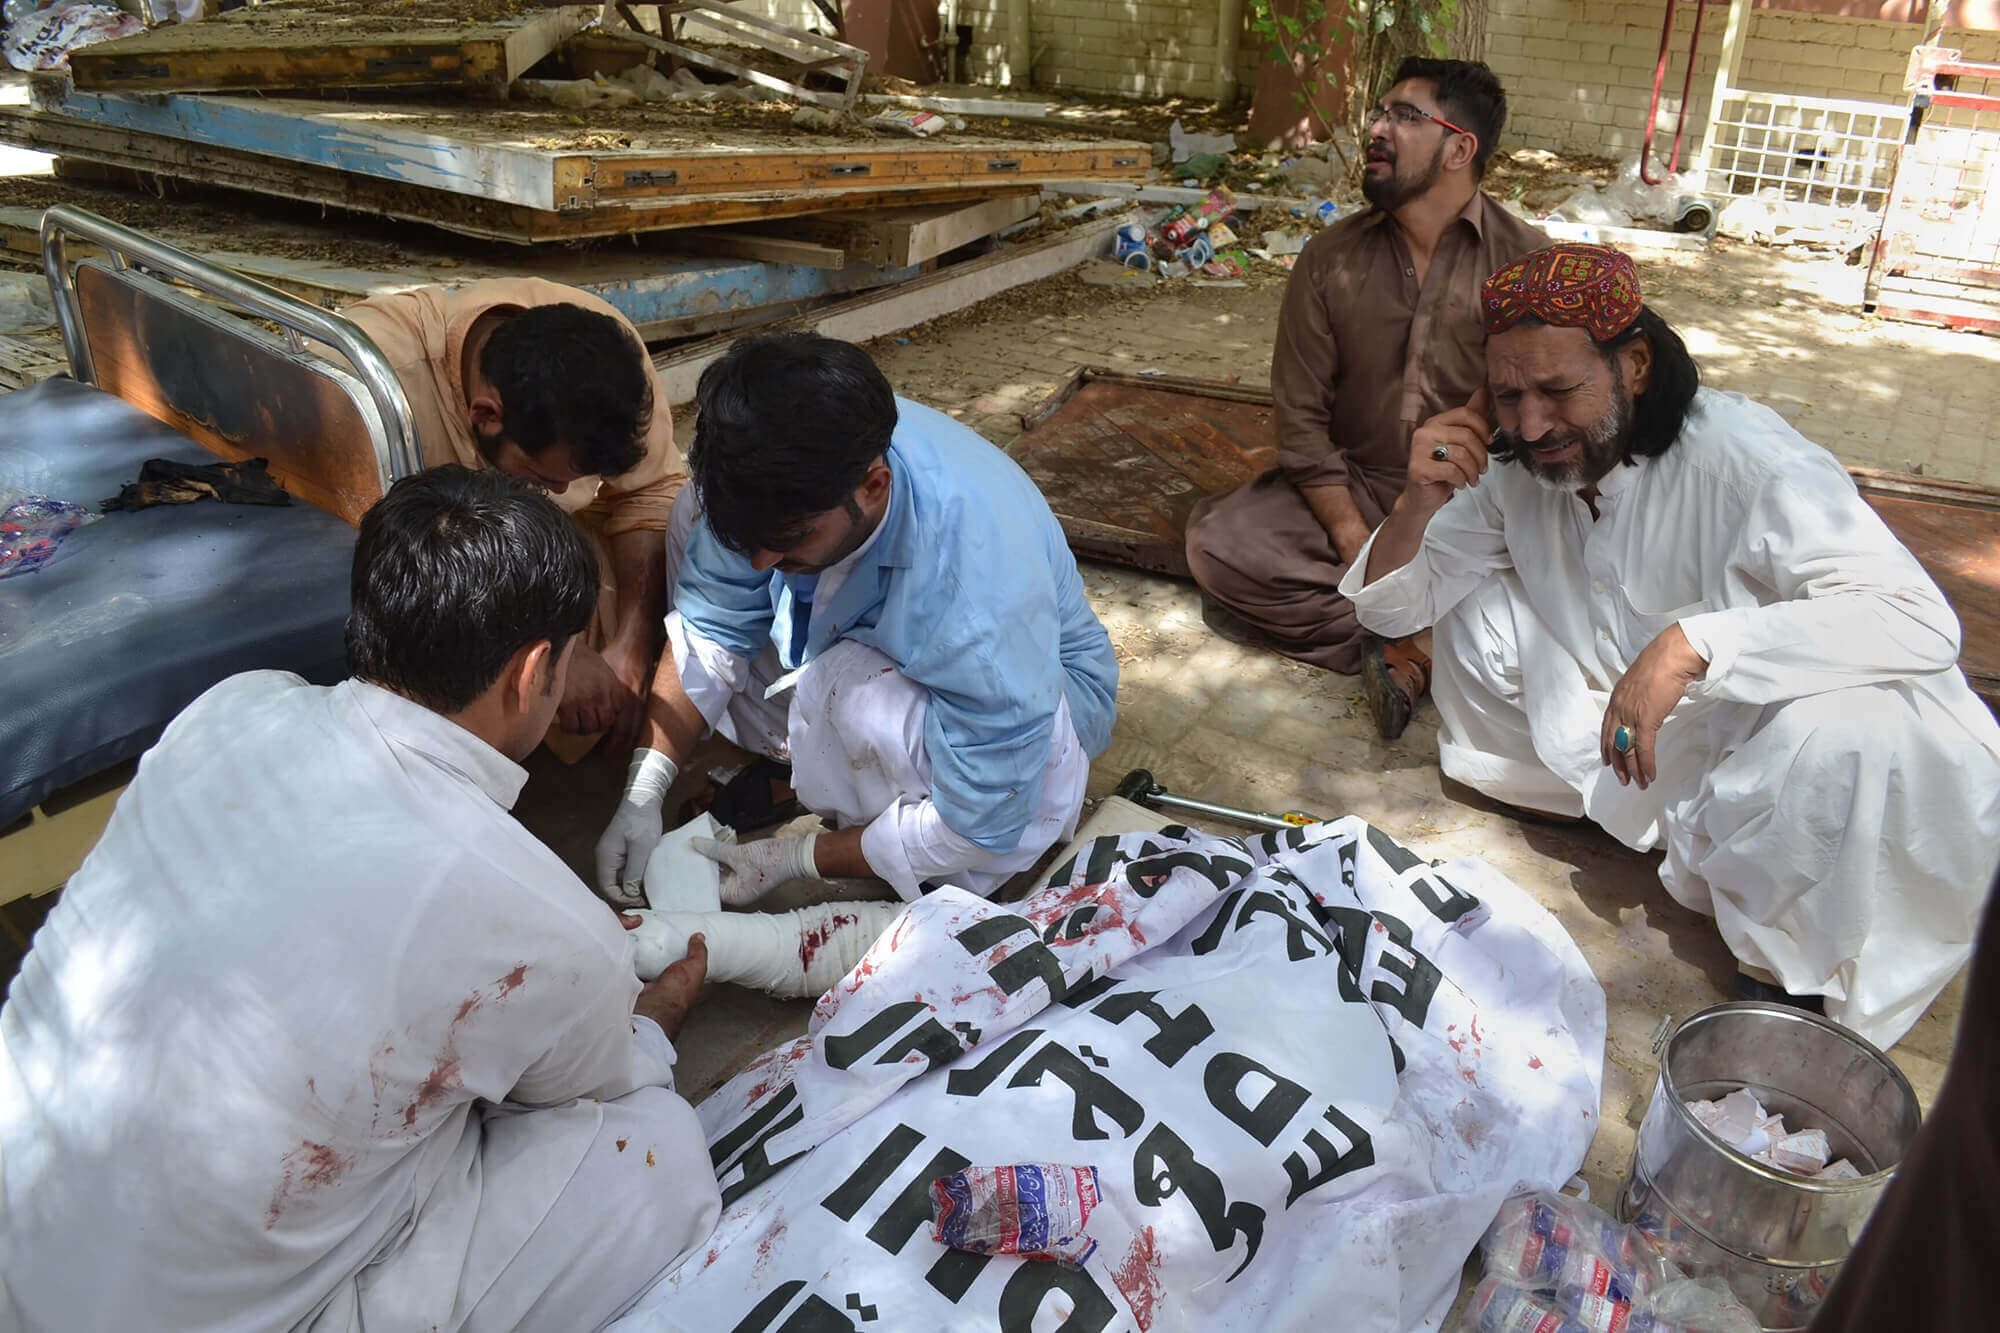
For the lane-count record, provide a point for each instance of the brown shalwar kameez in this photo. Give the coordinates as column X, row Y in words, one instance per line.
column 422, row 332
column 1364, row 356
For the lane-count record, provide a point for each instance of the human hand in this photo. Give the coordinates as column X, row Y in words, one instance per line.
column 667, row 998
column 1460, row 436
column 595, row 698
column 752, row 869
column 636, row 827
column 1657, row 680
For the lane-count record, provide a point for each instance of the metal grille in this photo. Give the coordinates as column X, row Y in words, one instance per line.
column 1937, row 256
column 1816, row 150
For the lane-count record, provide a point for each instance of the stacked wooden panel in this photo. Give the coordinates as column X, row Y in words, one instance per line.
column 171, row 102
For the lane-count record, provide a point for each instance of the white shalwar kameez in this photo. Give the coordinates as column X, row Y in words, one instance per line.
column 1829, row 791
column 319, row 1037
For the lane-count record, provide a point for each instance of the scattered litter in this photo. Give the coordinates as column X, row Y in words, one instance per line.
column 1555, row 1264
column 1741, row 1121
column 918, row 124
column 578, row 94
column 33, row 526
column 1228, row 264
column 1675, row 202
column 1206, row 167
column 816, row 118
column 43, row 38
column 1188, row 145
column 1033, row 1212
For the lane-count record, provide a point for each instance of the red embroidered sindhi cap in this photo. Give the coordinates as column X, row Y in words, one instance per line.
column 1571, row 285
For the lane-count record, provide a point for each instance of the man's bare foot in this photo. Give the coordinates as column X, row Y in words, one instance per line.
column 668, row 998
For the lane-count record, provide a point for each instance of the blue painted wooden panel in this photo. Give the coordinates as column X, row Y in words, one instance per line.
column 685, row 289
column 329, row 138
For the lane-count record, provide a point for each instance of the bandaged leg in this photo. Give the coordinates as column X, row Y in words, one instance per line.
column 795, row 955
column 859, row 759
column 1484, row 740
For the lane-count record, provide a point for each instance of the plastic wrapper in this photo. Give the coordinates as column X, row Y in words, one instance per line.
column 1547, row 1242
column 1036, row 1211
column 1502, row 1307
column 1700, row 1305
column 32, row 528
column 43, row 38
column 1741, row 1121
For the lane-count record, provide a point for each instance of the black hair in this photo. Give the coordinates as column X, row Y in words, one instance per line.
column 786, row 427
column 571, row 376
column 454, row 572
column 1469, row 94
column 1658, row 413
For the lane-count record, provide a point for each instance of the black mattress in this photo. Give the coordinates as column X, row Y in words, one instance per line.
column 141, row 612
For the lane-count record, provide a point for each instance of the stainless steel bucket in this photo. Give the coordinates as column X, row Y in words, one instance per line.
column 1776, row 1238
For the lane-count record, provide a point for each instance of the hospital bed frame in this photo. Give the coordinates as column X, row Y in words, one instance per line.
column 179, row 338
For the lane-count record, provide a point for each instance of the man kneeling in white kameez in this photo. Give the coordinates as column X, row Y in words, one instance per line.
column 1659, row 607
column 879, row 596
column 320, row 1037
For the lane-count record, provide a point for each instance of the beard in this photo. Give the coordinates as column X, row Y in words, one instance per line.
column 1392, row 191
column 1602, row 446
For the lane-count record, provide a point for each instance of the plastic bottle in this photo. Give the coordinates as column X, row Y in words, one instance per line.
column 1501, row 1307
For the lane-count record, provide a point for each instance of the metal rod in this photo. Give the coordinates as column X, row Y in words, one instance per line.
column 397, row 453
column 1250, row 817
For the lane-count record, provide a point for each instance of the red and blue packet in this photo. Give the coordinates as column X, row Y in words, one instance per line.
column 1034, row 1211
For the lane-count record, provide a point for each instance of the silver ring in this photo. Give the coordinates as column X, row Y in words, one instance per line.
column 1442, row 452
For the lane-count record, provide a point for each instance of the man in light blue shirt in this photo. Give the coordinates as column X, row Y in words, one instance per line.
column 877, row 594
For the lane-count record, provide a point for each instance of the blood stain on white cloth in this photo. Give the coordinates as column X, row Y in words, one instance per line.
column 815, row 938
column 1138, row 1278
column 310, row 1166
column 444, row 1076
column 768, row 1245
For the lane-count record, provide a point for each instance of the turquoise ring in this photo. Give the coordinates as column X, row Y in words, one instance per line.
column 1621, row 739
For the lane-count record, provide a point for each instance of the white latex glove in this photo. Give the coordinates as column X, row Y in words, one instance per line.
column 752, row 869
column 635, row 828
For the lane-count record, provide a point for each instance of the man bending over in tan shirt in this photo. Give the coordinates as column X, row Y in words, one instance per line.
column 552, row 385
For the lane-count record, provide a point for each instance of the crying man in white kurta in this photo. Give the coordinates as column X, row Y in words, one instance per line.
column 1660, row 608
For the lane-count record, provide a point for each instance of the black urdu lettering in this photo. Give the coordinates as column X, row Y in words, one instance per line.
column 1178, row 1033
column 1032, row 1284
column 1163, row 1165
column 1447, row 906
column 845, row 1051
column 1093, row 1091
column 1333, row 1163
column 1223, row 1081
column 874, row 1170
column 911, row 1207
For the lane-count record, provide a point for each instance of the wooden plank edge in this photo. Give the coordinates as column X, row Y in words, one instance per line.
column 909, row 304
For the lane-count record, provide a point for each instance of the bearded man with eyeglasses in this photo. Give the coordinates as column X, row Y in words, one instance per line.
column 1379, row 332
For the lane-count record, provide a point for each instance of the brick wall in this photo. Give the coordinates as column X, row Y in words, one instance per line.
column 1579, row 73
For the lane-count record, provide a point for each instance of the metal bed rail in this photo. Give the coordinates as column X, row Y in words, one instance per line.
column 396, row 451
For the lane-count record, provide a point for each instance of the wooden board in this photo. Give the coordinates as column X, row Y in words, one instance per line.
column 906, row 236
column 1124, row 458
column 536, row 157
column 909, row 304
column 192, row 367
column 666, row 295
column 299, row 46
column 156, row 155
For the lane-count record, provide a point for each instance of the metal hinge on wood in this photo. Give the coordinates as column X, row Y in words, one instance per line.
column 651, row 178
